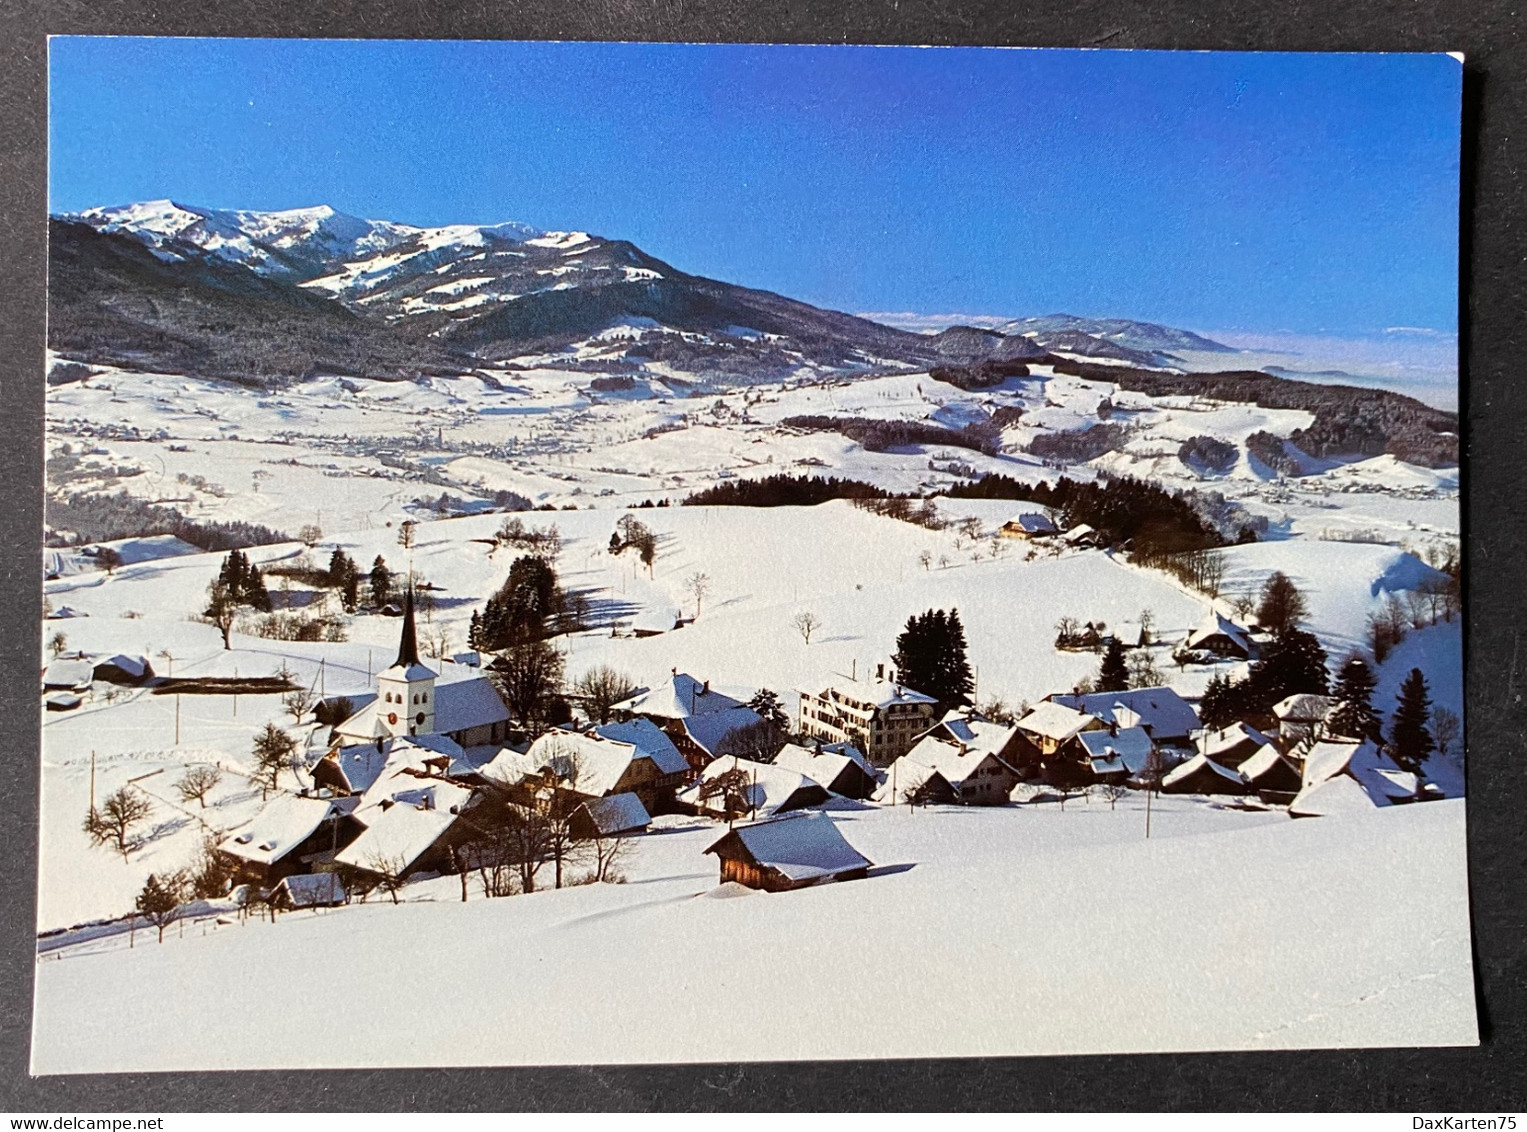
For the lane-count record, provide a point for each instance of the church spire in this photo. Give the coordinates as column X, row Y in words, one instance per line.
column 408, row 647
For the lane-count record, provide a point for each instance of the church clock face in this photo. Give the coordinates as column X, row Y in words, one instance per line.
column 392, row 718
column 419, row 719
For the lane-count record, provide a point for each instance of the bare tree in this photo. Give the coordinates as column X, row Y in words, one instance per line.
column 1446, row 728
column 387, row 873
column 1113, row 791
column 406, row 533
column 529, row 674
column 698, row 585
column 600, row 689
column 311, row 535
column 113, row 823
column 1143, row 672
column 806, row 623
column 297, row 702
column 198, row 782
column 925, row 559
column 609, row 850
column 58, row 644
column 108, row 559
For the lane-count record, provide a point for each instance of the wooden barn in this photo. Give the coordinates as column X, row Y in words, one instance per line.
column 1231, row 746
column 1273, row 777
column 309, row 890
column 287, row 836
column 617, row 815
column 788, row 853
column 838, row 767
column 732, row 788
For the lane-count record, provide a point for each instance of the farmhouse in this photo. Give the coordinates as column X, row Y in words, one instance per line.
column 287, row 836
column 309, row 890
column 972, row 776
column 837, row 767
column 614, row 816
column 1028, row 525
column 1272, row 776
column 1051, row 724
column 732, row 788
column 1167, row 718
column 701, row 738
column 68, row 675
column 678, row 697
column 1348, row 776
column 404, row 839
column 880, row 717
column 586, row 764
column 1114, row 755
column 121, row 668
column 413, row 699
column 1301, row 718
column 352, row 770
column 1222, row 637
column 1201, row 775
column 1231, row 746
column 788, row 853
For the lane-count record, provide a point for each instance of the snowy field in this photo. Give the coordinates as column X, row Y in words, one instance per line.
column 979, row 932
column 1013, row 930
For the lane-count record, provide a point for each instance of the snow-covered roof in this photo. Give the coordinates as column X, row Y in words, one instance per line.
column 587, row 763
column 876, row 693
column 1362, row 762
column 406, row 777
column 1196, row 765
column 135, row 666
column 964, row 725
column 408, row 672
column 822, row 766
column 1080, row 531
column 312, row 890
column 618, row 813
column 396, row 838
column 902, row 776
column 284, row 823
column 68, row 674
column 1217, row 743
column 1263, row 761
column 1338, row 795
column 648, row 739
column 1215, row 625
column 1161, row 711
column 1304, row 707
column 802, row 848
column 1055, row 720
column 360, row 764
column 768, row 786
column 710, row 731
column 950, row 759
column 678, row 697
column 1130, row 748
column 1031, row 522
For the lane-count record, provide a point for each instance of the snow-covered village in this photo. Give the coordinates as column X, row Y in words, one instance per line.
column 490, row 645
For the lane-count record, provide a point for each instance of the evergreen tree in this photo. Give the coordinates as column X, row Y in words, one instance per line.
column 159, row 902
column 518, row 611
column 273, row 750
column 1410, row 740
column 350, row 595
column 1354, row 716
column 255, row 594
column 381, row 582
column 340, row 567
column 1218, row 707
column 1113, row 675
column 474, row 632
column 930, row 657
column 767, row 705
column 1292, row 663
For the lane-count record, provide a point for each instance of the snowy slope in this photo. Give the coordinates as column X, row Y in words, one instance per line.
column 1304, row 944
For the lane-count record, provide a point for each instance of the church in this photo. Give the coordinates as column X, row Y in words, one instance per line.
column 411, row 698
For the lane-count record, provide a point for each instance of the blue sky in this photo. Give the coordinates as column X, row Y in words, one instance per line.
column 1301, row 194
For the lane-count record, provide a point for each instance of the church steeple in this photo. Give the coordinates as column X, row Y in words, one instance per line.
column 408, row 646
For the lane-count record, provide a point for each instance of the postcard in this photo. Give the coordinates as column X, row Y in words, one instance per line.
column 602, row 553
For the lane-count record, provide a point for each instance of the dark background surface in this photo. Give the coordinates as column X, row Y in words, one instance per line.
column 1493, row 327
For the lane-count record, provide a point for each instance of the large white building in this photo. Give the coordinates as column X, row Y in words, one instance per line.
column 880, row 717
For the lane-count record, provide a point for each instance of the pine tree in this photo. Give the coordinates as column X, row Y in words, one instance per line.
column 1354, row 716
column 273, row 751
column 930, row 657
column 255, row 594
column 340, row 567
column 381, row 582
column 1292, row 663
column 1113, row 675
column 1217, row 707
column 1410, row 740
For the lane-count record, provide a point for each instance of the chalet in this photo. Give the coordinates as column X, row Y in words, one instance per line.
column 701, row 738
column 68, row 675
column 1351, row 776
column 1167, row 718
column 586, row 764
column 413, row 699
column 677, row 698
column 1080, row 536
column 404, row 839
column 1274, row 779
column 124, row 669
column 1005, row 740
column 352, row 770
column 309, row 890
column 287, row 836
column 1116, row 754
column 732, row 788
column 1221, row 637
column 973, row 776
column 1050, row 724
column 63, row 701
column 837, row 767
column 653, row 743
column 1233, row 745
column 881, row 717
column 1201, row 775
column 1301, row 718
column 1028, row 525
column 788, row 853
column 615, row 816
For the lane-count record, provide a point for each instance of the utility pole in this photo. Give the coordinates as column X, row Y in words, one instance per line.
column 92, row 781
column 177, row 719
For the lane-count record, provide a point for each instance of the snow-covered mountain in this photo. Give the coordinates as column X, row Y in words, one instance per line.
column 1143, row 338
